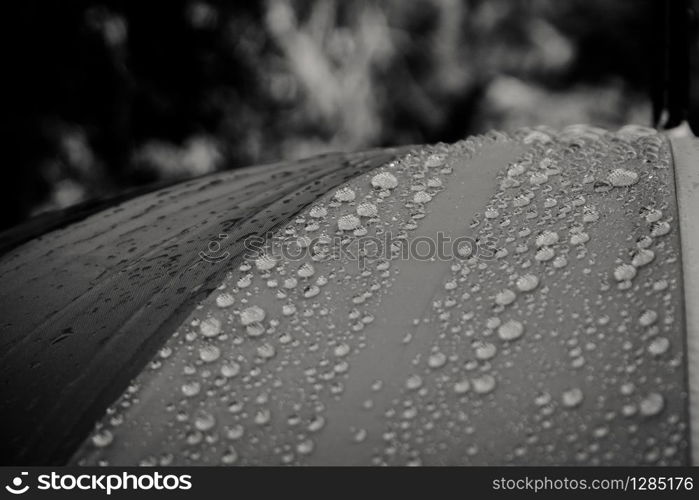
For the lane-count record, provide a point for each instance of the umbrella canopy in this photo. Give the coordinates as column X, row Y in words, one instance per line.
column 84, row 307
column 505, row 299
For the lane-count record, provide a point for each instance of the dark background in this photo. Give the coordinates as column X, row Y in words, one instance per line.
column 106, row 96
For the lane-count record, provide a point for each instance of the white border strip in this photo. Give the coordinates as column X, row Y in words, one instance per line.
column 685, row 152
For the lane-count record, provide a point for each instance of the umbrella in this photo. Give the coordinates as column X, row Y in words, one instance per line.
column 504, row 299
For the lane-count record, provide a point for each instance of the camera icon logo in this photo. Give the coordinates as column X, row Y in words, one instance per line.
column 214, row 255
column 16, row 487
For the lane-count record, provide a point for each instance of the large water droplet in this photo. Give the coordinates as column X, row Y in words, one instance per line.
column 572, row 398
column 620, row 177
column 422, row 197
column 505, row 297
column 252, row 314
column 624, row 272
column 345, row 194
column 511, row 330
column 527, row 282
column 484, row 384
column 652, row 404
column 384, row 180
column 348, row 222
column 210, row 327
column 367, row 210
column 209, row 353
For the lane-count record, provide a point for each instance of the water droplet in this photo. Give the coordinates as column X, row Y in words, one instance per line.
column 422, row 197
column 660, row 229
column 359, row 436
column 414, row 382
column 654, row 215
column 263, row 416
column 348, row 222
column 255, row 329
column 435, row 160
column 652, row 404
column 252, row 314
column 305, row 447
column 341, row 350
column 367, row 210
column 642, row 257
column 660, row 285
column 648, row 317
column 484, row 384
column 204, row 421
column 542, row 399
column 521, row 201
column 462, row 386
column 491, row 213
column 316, row 424
column 572, row 398
column 210, row 327
column 505, row 297
column 560, row 262
column 230, row 456
column 191, row 389
column 209, row 353
column 230, row 370
column 225, row 299
column 266, row 351
column 590, row 215
column 511, row 330
column 384, row 180
column 579, row 238
column 547, row 238
column 620, row 177
column 102, row 438
column 485, row 350
column 305, row 271
column 659, row 346
column 538, row 178
column 627, row 389
column 235, row 432
column 527, row 282
column 624, row 272
column 318, row 212
column 544, row 254
column 436, row 360
column 344, row 194
column 265, row 262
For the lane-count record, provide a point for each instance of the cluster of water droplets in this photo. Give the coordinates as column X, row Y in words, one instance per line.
column 258, row 361
column 560, row 334
column 567, row 339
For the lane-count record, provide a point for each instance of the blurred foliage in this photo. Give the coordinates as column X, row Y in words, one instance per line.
column 113, row 94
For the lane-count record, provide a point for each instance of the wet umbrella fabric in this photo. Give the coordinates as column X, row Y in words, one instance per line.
column 551, row 332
